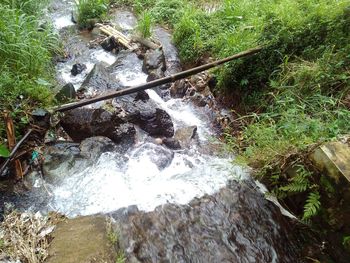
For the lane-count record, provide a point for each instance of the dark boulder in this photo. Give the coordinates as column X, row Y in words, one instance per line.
column 155, row 121
column 154, row 59
column 99, row 79
column 158, row 124
column 110, row 44
column 236, row 224
column 93, row 147
column 77, row 69
column 83, row 123
column 142, row 95
column 172, row 143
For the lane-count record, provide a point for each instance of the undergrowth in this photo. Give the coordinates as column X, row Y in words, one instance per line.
column 26, row 72
column 91, row 11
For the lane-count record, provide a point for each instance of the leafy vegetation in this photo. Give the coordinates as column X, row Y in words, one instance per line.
column 4, row 152
column 91, row 10
column 144, row 25
column 26, row 49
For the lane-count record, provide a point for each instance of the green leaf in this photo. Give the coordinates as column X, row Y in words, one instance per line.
column 312, row 205
column 43, row 82
column 4, row 152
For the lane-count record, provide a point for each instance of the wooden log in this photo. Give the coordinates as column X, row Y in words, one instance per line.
column 155, row 83
column 145, row 42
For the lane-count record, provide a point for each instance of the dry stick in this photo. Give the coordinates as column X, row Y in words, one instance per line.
column 155, row 83
column 14, row 150
column 10, row 131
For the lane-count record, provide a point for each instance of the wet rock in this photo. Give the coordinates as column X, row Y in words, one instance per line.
column 110, row 44
column 66, row 93
column 159, row 155
column 98, row 79
column 127, row 68
column 142, row 95
column 199, row 100
column 171, row 54
column 179, row 88
column 154, row 64
column 234, row 225
column 125, row 135
column 200, row 85
column 185, row 135
column 172, row 143
column 60, row 160
column 83, row 123
column 156, row 122
column 93, row 147
column 77, row 69
column 153, row 59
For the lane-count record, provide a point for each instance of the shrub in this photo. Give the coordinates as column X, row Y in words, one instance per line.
column 91, row 10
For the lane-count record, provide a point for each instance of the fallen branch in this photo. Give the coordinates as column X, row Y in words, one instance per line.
column 155, row 83
column 14, row 150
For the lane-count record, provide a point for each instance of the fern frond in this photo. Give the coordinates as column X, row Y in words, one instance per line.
column 312, row 205
column 299, row 183
column 296, row 187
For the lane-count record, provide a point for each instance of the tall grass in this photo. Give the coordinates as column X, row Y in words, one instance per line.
column 26, row 49
column 145, row 24
column 91, row 10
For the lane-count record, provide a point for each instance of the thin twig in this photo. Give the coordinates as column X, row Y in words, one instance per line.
column 14, row 150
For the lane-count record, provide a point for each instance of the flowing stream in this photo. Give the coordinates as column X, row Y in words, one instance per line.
column 186, row 205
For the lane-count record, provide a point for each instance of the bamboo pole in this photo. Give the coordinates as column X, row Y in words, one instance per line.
column 110, row 31
column 155, row 83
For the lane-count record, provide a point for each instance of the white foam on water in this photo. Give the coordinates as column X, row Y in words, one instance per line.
column 62, row 22
column 89, row 60
column 106, row 186
column 103, row 56
column 182, row 114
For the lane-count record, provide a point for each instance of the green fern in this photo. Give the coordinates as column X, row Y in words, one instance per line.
column 312, row 205
column 299, row 183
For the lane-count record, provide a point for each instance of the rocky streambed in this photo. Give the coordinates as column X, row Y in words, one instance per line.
column 150, row 161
